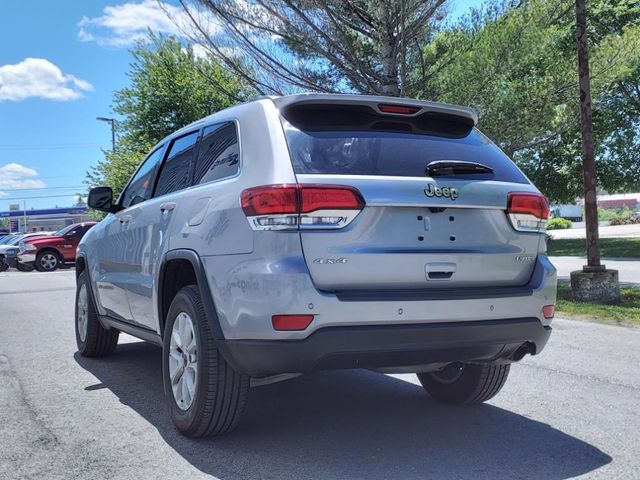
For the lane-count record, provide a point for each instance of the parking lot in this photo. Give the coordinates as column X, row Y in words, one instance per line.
column 571, row 412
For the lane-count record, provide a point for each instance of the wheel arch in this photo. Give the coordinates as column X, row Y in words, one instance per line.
column 187, row 268
column 49, row 248
column 81, row 265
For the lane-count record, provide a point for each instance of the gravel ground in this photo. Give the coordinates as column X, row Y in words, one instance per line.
column 573, row 411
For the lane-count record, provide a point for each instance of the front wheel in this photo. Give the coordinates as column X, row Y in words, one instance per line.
column 465, row 383
column 92, row 338
column 47, row 261
column 3, row 265
column 205, row 395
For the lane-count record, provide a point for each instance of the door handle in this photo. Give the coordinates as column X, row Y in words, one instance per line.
column 440, row 271
column 124, row 219
column 167, row 207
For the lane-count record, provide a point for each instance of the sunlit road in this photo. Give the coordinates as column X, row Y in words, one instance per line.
column 574, row 411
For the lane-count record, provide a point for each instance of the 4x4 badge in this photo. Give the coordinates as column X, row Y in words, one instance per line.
column 448, row 192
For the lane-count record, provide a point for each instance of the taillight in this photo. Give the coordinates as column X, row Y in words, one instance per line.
column 286, row 207
column 548, row 311
column 528, row 211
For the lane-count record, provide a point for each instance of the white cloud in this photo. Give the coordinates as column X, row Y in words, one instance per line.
column 15, row 176
column 38, row 77
column 128, row 23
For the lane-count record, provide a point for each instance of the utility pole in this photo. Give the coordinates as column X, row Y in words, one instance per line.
column 112, row 121
column 588, row 161
column 594, row 283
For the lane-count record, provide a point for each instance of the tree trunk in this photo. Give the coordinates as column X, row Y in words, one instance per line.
column 389, row 53
column 389, row 64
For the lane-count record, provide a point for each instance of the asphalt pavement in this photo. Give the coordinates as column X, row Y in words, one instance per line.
column 573, row 411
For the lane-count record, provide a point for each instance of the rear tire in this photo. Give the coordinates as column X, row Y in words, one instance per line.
column 204, row 394
column 47, row 261
column 92, row 338
column 3, row 265
column 465, row 383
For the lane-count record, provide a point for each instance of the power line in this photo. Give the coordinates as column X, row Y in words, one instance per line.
column 52, row 147
column 6, row 199
column 40, row 188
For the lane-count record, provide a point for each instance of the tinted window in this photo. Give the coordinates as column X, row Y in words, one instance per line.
column 141, row 185
column 175, row 170
column 80, row 231
column 353, row 141
column 218, row 156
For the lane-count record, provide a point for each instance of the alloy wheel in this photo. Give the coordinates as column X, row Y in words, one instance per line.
column 183, row 361
column 48, row 261
column 83, row 313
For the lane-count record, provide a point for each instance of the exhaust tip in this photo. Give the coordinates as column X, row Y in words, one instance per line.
column 521, row 352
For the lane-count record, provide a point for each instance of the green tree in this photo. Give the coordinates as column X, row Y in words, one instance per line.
column 170, row 87
column 363, row 46
column 517, row 67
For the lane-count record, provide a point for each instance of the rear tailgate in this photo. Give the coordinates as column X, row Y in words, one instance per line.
column 416, row 231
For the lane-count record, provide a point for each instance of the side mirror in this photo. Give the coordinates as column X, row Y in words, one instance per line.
column 101, row 198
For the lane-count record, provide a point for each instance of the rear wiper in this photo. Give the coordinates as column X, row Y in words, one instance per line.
column 456, row 167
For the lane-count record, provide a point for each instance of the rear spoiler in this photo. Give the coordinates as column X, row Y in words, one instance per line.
column 392, row 106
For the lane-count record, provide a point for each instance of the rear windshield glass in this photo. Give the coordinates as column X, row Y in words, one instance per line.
column 363, row 151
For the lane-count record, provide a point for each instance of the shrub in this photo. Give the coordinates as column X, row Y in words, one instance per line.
column 558, row 223
column 616, row 216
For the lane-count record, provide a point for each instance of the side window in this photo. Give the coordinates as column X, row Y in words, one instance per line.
column 81, row 230
column 219, row 153
column 175, row 170
column 141, row 185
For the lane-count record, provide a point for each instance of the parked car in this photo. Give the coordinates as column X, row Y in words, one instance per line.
column 9, row 248
column 300, row 233
column 52, row 251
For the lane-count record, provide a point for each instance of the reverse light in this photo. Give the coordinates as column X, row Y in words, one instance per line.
column 528, row 211
column 291, row 322
column 292, row 207
column 548, row 311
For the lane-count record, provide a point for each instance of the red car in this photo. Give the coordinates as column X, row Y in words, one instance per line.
column 48, row 253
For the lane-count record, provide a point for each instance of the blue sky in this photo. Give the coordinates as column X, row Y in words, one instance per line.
column 58, row 71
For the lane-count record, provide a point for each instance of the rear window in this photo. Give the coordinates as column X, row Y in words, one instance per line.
column 388, row 145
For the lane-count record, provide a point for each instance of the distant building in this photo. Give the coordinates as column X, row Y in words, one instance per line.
column 43, row 220
column 620, row 200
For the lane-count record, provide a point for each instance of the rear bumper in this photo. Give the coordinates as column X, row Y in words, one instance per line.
column 379, row 346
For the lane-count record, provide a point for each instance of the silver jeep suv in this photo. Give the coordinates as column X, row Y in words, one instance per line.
column 293, row 234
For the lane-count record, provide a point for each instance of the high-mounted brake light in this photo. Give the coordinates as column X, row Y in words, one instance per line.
column 399, row 109
column 528, row 211
column 290, row 207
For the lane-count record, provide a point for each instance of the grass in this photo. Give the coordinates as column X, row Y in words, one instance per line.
column 609, row 247
column 626, row 313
